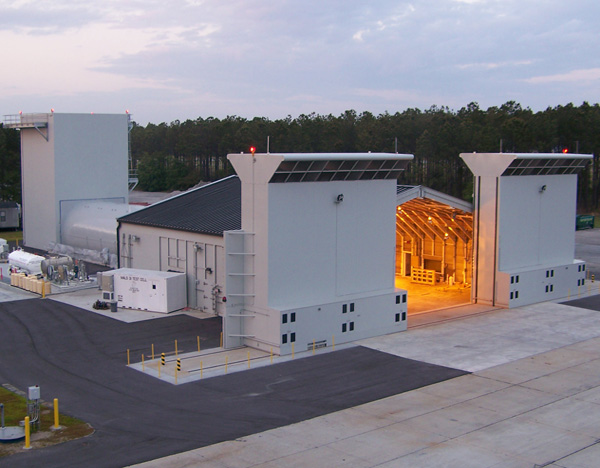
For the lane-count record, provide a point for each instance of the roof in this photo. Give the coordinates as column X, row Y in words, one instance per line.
column 210, row 209
column 406, row 193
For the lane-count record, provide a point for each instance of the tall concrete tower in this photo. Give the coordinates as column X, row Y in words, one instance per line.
column 67, row 159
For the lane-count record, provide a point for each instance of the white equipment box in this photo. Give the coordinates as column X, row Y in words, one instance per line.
column 156, row 291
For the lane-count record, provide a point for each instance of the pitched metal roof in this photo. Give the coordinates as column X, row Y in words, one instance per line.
column 210, row 209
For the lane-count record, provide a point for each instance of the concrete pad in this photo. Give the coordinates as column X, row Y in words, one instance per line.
column 563, row 383
column 448, row 454
column 407, row 405
column 464, row 388
column 584, row 458
column 514, row 400
column 387, row 443
column 570, row 414
column 321, row 456
column 455, row 420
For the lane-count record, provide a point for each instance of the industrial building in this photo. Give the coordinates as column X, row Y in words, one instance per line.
column 184, row 234
column 72, row 162
column 524, row 235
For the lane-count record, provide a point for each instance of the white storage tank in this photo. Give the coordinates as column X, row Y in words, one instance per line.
column 155, row 291
column 26, row 261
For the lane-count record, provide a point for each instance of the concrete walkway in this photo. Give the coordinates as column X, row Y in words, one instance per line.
column 533, row 400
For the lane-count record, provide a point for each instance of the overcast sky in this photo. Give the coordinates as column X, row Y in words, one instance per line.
column 182, row 59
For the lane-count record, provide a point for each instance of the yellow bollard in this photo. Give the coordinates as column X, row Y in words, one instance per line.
column 153, row 351
column 56, row 425
column 198, row 344
column 127, row 357
column 569, row 294
column 333, row 341
column 248, row 359
column 43, row 289
column 27, row 433
column 271, row 354
column 226, row 362
column 143, row 367
column 175, row 347
column 221, row 342
column 176, row 376
column 201, row 369
column 313, row 346
column 293, row 350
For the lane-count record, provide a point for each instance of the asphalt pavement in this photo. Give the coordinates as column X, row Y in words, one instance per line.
column 80, row 358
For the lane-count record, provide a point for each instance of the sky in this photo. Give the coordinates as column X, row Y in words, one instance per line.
column 166, row 60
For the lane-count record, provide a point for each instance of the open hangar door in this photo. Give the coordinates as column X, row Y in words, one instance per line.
column 434, row 248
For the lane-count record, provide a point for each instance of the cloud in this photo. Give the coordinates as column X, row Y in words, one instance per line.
column 493, row 65
column 575, row 76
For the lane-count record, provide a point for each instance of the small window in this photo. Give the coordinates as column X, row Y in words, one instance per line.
column 293, row 317
column 403, row 298
column 344, row 328
column 153, row 286
column 578, row 267
column 516, row 294
column 511, row 295
column 292, row 338
column 397, row 299
column 344, row 309
column 284, row 339
column 517, row 279
column 551, row 273
column 583, row 282
column 583, row 267
column 3, row 216
column 351, row 326
column 352, row 307
column 284, row 318
column 546, row 288
column 512, row 280
column 547, row 274
column 551, row 287
column 397, row 317
column 403, row 316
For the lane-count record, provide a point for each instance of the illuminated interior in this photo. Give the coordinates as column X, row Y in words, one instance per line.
column 434, row 252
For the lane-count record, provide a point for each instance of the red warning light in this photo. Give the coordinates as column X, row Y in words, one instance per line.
column 565, row 150
column 252, row 150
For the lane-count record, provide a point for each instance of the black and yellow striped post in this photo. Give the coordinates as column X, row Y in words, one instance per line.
column 178, row 365
column 162, row 358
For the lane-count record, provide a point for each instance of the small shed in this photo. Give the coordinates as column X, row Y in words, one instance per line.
column 10, row 215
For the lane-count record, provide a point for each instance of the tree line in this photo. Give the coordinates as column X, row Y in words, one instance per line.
column 180, row 154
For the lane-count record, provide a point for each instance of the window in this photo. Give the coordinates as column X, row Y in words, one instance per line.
column 403, row 316
column 3, row 216
column 403, row 298
column 511, row 295
column 293, row 317
column 352, row 307
column 512, row 280
column 551, row 273
column 284, row 318
column 547, row 273
column 344, row 328
column 292, row 337
column 551, row 287
column 397, row 299
column 351, row 326
column 397, row 317
column 344, row 309
column 284, row 339
column 517, row 279
column 516, row 294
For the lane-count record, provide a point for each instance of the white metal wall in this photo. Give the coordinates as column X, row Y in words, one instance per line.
column 537, row 216
column 320, row 250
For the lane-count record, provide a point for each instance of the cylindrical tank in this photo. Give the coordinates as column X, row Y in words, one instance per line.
column 54, row 262
column 28, row 262
column 93, row 225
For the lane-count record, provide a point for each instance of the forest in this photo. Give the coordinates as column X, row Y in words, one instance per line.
column 178, row 155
